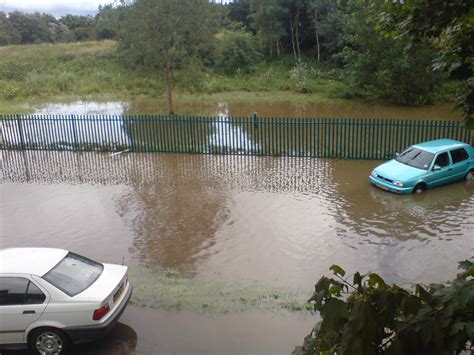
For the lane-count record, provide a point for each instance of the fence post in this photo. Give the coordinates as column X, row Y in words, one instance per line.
column 255, row 122
column 20, row 131
column 74, row 130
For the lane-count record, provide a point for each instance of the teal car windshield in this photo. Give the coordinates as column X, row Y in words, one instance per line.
column 416, row 158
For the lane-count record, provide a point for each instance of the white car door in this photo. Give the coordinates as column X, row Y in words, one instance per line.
column 21, row 303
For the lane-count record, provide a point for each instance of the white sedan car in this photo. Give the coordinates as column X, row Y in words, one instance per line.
column 51, row 299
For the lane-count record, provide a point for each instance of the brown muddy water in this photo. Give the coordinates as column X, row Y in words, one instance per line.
column 264, row 106
column 224, row 250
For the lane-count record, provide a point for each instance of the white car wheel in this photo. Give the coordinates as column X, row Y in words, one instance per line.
column 49, row 341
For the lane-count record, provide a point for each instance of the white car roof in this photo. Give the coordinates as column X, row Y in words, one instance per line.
column 34, row 261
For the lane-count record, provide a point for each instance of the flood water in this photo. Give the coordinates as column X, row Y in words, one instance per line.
column 230, row 230
column 264, row 107
column 268, row 221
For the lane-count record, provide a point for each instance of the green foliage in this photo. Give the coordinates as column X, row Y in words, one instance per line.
column 383, row 68
column 165, row 34
column 268, row 18
column 449, row 27
column 368, row 316
column 236, row 52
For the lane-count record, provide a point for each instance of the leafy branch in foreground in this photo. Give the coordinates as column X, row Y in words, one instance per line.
column 367, row 316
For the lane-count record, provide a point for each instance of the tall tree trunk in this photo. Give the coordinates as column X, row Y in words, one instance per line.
column 317, row 34
column 297, row 35
column 293, row 37
column 169, row 84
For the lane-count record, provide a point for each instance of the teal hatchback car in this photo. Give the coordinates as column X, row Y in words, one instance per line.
column 424, row 166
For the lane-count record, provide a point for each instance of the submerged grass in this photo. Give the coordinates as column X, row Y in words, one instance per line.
column 167, row 289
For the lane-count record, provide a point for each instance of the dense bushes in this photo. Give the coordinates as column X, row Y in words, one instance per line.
column 368, row 316
column 236, row 52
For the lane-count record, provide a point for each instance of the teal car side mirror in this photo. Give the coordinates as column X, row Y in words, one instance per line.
column 397, row 155
column 436, row 168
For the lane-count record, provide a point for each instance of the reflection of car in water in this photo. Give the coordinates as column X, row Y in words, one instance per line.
column 425, row 165
column 52, row 298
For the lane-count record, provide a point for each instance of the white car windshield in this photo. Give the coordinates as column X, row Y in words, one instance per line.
column 74, row 274
column 416, row 158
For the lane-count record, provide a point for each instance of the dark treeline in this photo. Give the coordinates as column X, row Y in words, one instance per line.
column 22, row 28
column 399, row 52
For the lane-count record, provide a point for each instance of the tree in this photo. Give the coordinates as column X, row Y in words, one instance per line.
column 239, row 11
column 449, row 27
column 107, row 22
column 235, row 51
column 383, row 67
column 327, row 26
column 8, row 34
column 268, row 19
column 83, row 27
column 368, row 316
column 33, row 28
column 166, row 35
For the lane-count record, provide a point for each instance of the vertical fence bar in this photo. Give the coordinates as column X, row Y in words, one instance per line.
column 20, row 132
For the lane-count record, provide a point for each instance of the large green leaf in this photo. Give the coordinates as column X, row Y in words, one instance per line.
column 334, row 314
column 337, row 270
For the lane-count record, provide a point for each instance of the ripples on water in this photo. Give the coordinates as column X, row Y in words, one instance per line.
column 281, row 221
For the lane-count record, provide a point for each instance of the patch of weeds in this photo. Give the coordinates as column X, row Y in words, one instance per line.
column 168, row 289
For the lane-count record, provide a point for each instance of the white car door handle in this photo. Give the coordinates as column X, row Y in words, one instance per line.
column 29, row 312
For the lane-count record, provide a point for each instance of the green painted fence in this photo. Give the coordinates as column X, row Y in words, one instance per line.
column 303, row 137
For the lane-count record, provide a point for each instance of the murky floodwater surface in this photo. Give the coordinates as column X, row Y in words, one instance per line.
column 243, row 224
column 224, row 250
column 263, row 106
column 279, row 221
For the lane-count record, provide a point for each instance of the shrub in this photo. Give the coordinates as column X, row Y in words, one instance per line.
column 236, row 51
column 299, row 74
column 368, row 316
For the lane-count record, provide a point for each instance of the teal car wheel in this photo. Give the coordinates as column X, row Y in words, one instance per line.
column 419, row 188
column 470, row 176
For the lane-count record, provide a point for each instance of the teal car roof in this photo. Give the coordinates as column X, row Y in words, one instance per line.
column 439, row 145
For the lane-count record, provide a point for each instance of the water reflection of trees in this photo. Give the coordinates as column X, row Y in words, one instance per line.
column 177, row 203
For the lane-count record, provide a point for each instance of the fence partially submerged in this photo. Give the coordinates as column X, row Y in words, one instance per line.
column 308, row 137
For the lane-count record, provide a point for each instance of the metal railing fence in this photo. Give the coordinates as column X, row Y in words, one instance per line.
column 303, row 137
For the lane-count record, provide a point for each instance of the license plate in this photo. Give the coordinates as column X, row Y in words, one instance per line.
column 118, row 293
column 382, row 187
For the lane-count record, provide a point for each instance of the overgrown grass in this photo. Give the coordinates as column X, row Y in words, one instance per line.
column 80, row 69
column 88, row 69
column 31, row 75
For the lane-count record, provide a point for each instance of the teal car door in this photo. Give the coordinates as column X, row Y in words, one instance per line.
column 461, row 163
column 441, row 171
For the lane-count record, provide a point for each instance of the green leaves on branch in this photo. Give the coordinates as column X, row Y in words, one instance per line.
column 368, row 316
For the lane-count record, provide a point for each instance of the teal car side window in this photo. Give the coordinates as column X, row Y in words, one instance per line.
column 458, row 155
column 442, row 160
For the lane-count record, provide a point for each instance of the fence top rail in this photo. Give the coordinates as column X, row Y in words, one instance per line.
column 251, row 119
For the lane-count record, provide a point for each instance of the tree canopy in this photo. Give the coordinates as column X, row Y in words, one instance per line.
column 404, row 52
column 166, row 35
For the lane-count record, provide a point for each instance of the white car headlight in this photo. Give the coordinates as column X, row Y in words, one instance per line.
column 373, row 173
column 398, row 183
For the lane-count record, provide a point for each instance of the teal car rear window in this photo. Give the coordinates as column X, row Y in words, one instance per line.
column 416, row 158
